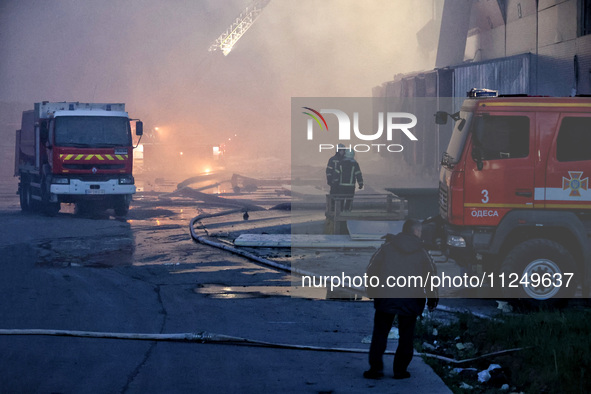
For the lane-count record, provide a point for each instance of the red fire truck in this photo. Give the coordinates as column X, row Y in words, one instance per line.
column 74, row 152
column 514, row 192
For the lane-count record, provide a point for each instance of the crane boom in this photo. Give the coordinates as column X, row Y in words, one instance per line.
column 226, row 41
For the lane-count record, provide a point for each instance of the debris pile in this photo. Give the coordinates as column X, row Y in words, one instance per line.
column 464, row 360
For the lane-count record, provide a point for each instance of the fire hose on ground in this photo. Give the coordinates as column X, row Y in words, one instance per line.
column 243, row 253
column 210, row 338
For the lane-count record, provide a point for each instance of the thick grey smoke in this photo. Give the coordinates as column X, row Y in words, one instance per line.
column 152, row 55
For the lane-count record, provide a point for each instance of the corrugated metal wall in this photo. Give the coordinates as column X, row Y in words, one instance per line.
column 584, row 68
column 425, row 88
column 556, row 75
column 512, row 75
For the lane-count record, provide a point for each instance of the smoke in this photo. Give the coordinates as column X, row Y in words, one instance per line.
column 153, row 56
column 342, row 48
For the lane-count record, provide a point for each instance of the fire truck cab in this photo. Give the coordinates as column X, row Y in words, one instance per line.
column 514, row 190
column 75, row 152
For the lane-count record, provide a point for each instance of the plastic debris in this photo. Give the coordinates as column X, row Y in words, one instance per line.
column 504, row 306
column 428, row 346
column 460, row 346
column 505, row 387
column 435, row 332
column 484, row 376
column 466, row 386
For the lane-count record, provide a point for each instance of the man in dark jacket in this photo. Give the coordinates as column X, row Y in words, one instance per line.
column 401, row 256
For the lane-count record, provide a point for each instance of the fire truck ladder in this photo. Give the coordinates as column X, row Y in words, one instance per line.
column 245, row 20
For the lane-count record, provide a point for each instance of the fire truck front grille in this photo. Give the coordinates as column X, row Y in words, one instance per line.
column 93, row 177
column 91, row 166
column 443, row 199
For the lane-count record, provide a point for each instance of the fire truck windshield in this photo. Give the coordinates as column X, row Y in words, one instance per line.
column 458, row 139
column 92, row 131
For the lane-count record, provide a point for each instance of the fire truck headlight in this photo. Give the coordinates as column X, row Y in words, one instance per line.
column 456, row 241
column 126, row 180
column 60, row 181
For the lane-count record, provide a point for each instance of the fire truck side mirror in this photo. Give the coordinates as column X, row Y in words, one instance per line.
column 139, row 128
column 441, row 117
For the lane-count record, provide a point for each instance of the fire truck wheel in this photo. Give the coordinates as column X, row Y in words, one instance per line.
column 49, row 208
column 121, row 207
column 25, row 197
column 552, row 263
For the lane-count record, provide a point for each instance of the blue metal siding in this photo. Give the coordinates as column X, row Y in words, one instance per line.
column 512, row 75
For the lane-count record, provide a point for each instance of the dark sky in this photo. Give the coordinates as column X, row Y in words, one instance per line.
column 152, row 55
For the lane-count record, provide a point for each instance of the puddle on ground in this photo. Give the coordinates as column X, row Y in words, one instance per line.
column 207, row 269
column 160, row 218
column 233, row 292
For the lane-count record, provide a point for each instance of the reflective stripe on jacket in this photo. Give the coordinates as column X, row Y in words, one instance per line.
column 349, row 173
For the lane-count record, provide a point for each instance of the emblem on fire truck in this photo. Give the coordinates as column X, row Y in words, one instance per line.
column 575, row 183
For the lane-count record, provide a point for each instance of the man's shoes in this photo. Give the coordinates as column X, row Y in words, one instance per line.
column 373, row 374
column 402, row 375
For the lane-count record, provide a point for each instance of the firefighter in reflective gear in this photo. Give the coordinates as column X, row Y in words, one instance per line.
column 332, row 173
column 349, row 174
column 332, row 176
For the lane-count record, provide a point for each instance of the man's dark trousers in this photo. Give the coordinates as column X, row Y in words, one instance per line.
column 381, row 328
